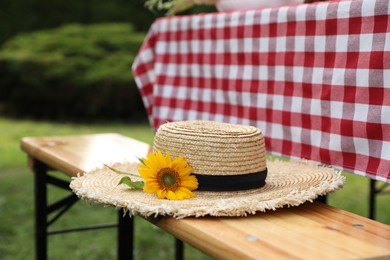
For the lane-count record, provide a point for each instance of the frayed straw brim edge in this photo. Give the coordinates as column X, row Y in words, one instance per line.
column 239, row 208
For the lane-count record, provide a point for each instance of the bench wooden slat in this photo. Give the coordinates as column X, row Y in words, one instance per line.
column 82, row 153
column 309, row 231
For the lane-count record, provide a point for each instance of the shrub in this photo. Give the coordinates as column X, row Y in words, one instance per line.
column 74, row 71
column 26, row 16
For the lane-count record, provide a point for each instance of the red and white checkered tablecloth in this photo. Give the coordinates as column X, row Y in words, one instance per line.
column 315, row 78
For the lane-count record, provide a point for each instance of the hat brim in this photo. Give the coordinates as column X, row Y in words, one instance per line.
column 288, row 184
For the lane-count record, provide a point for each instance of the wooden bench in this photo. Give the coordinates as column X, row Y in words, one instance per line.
column 312, row 230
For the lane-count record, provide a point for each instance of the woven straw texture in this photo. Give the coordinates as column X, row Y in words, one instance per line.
column 288, row 184
column 214, row 148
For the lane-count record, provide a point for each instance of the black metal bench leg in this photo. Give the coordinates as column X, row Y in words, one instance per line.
column 125, row 236
column 372, row 195
column 322, row 199
column 179, row 248
column 40, row 178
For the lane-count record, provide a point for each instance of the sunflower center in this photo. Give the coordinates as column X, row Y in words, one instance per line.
column 168, row 179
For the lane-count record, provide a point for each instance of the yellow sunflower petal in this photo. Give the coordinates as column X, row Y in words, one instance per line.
column 146, row 173
column 171, row 195
column 186, row 193
column 168, row 159
column 178, row 163
column 160, row 158
column 190, row 183
column 179, row 195
column 184, row 172
column 151, row 187
column 161, row 194
column 148, row 190
column 151, row 162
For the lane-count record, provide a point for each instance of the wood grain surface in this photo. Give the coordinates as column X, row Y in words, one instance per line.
column 309, row 231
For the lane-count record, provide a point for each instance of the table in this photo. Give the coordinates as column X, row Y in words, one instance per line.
column 308, row 231
column 314, row 77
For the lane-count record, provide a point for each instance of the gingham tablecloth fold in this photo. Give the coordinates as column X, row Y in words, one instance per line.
column 314, row 77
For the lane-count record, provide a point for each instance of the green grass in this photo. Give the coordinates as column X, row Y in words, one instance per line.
column 17, row 212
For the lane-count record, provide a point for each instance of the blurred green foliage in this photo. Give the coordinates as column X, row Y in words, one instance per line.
column 29, row 15
column 73, row 71
column 71, row 59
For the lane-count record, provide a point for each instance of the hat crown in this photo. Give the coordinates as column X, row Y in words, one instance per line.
column 213, row 148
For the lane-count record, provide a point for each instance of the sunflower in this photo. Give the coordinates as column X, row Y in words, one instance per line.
column 167, row 178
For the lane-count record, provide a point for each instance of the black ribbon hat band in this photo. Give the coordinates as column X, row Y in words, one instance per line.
column 231, row 182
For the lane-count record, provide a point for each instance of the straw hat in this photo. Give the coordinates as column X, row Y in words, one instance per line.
column 229, row 161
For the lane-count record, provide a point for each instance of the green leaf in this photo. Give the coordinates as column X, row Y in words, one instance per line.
column 137, row 185
column 141, row 161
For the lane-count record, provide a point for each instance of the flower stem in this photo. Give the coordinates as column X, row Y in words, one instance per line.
column 121, row 171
